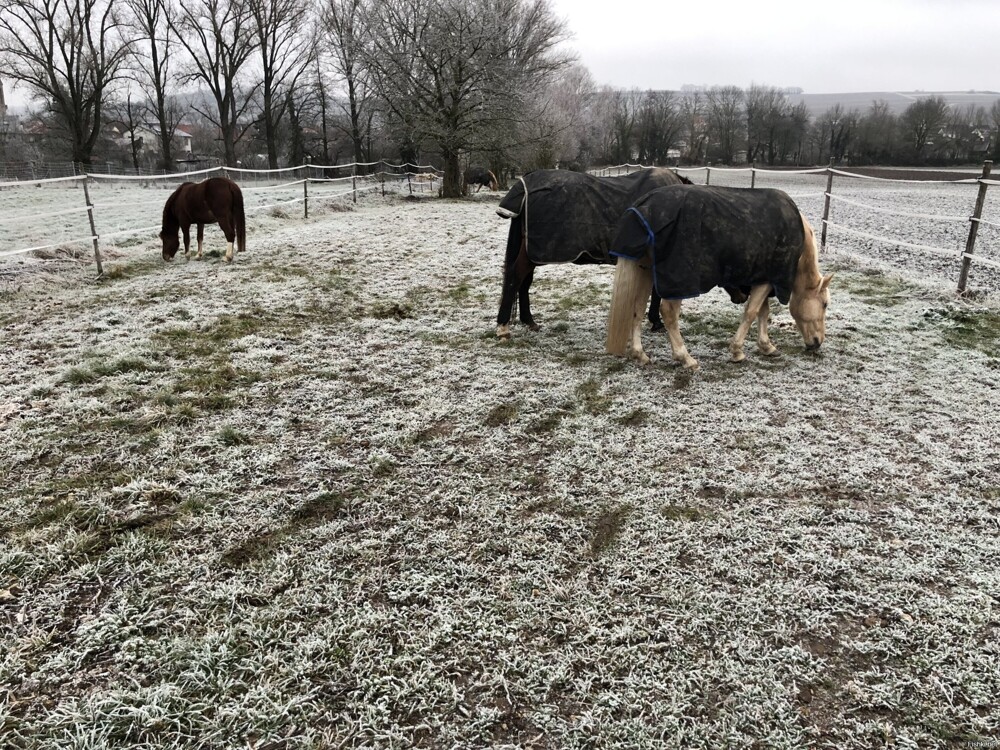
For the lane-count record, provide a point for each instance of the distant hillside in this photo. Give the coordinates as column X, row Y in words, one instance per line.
column 898, row 101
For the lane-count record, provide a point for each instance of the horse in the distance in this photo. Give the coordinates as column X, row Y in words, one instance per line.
column 216, row 199
column 688, row 240
column 560, row 216
column 480, row 177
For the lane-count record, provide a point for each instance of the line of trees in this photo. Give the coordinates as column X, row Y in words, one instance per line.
column 269, row 82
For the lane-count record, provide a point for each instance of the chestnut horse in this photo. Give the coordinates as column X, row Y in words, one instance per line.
column 688, row 240
column 217, row 199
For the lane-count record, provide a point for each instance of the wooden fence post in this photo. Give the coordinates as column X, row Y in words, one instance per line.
column 753, row 175
column 354, row 182
column 970, row 244
column 708, row 175
column 305, row 190
column 826, row 205
column 381, row 175
column 93, row 227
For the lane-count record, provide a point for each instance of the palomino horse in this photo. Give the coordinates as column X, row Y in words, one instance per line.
column 688, row 240
column 216, row 199
column 559, row 216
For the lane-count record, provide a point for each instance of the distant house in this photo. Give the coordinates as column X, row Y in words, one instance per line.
column 147, row 134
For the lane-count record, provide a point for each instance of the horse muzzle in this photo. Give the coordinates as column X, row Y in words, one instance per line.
column 814, row 345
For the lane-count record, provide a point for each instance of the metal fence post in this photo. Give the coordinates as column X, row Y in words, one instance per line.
column 93, row 228
column 970, row 244
column 826, row 205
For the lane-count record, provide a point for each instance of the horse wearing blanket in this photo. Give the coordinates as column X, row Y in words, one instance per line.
column 688, row 240
column 559, row 216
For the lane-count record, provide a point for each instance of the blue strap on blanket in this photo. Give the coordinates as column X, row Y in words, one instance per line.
column 649, row 232
column 642, row 219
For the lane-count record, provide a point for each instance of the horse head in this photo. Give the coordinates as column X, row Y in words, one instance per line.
column 171, row 243
column 808, row 308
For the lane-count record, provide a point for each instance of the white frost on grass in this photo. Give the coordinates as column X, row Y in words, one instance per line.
column 308, row 498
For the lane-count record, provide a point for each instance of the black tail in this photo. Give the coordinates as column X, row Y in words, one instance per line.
column 240, row 220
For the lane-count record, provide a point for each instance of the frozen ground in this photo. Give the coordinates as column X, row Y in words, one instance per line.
column 307, row 500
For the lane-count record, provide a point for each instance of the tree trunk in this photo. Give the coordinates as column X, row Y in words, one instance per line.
column 452, row 185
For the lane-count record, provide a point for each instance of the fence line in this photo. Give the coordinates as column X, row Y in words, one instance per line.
column 415, row 174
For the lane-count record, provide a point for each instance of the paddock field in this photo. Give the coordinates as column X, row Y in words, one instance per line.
column 307, row 500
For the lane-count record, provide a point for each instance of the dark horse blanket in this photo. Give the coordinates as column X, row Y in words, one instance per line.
column 703, row 237
column 571, row 216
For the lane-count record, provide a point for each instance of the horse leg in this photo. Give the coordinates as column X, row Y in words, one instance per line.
column 767, row 348
column 201, row 240
column 655, row 322
column 516, row 269
column 228, row 227
column 186, row 231
column 670, row 310
column 632, row 286
column 757, row 298
column 524, row 302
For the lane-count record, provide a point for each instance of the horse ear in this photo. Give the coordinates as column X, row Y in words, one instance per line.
column 825, row 283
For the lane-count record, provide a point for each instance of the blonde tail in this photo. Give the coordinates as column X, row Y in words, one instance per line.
column 629, row 298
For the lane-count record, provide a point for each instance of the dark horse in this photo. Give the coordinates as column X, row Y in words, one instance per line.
column 480, row 177
column 216, row 199
column 559, row 216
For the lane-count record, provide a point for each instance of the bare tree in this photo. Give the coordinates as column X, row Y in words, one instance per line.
column 876, row 138
column 791, row 134
column 659, row 126
column 69, row 53
column 766, row 108
column 129, row 114
column 218, row 35
column 344, row 22
column 692, row 110
column 153, row 54
column 285, row 49
column 452, row 70
column 563, row 112
column 922, row 123
column 725, row 120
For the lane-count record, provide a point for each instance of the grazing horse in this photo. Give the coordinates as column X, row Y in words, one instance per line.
column 692, row 239
column 559, row 216
column 480, row 177
column 216, row 199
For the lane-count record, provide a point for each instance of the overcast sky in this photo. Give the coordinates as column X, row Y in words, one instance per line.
column 822, row 46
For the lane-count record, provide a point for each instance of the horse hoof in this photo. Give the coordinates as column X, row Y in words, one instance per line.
column 533, row 326
column 656, row 326
column 503, row 333
column 738, row 357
